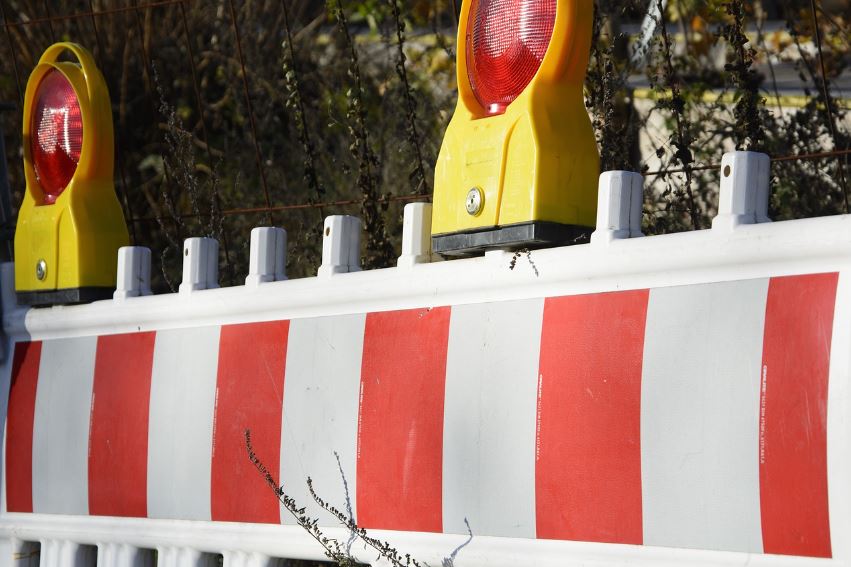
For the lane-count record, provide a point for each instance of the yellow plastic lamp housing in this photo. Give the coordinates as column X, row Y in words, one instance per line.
column 519, row 161
column 70, row 225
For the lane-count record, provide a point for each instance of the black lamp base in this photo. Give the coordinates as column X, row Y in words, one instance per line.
column 537, row 234
column 69, row 296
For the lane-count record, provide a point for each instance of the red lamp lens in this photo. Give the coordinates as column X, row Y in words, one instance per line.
column 56, row 134
column 506, row 44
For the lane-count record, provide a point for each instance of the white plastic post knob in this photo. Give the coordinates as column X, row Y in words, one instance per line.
column 340, row 246
column 744, row 191
column 134, row 272
column 619, row 206
column 268, row 257
column 200, row 265
column 416, row 235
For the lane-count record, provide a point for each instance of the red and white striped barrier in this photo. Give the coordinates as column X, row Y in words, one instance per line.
column 690, row 417
column 652, row 401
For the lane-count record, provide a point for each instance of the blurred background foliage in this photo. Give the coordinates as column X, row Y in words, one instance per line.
column 232, row 114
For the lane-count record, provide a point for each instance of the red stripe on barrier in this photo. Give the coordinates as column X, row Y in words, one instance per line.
column 400, row 430
column 588, row 462
column 19, row 427
column 118, row 439
column 249, row 395
column 793, row 415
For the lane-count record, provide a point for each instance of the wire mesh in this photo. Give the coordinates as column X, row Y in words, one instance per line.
column 140, row 200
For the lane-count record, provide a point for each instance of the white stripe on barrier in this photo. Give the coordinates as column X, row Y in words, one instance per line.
column 5, row 385
column 321, row 403
column 489, row 418
column 180, row 432
column 60, row 473
column 700, row 416
column 839, row 423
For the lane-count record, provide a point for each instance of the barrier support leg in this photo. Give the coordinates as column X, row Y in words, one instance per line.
column 242, row 559
column 183, row 557
column 19, row 553
column 56, row 553
column 118, row 555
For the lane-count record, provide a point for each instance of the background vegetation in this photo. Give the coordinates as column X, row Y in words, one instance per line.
column 232, row 114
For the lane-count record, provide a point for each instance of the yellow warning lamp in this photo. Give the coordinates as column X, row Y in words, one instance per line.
column 519, row 162
column 70, row 225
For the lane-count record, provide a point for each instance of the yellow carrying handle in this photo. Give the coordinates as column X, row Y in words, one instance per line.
column 570, row 48
column 91, row 90
column 565, row 62
column 84, row 57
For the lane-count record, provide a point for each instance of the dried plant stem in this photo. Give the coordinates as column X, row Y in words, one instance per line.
column 682, row 141
column 295, row 101
column 749, row 132
column 828, row 101
column 333, row 548
column 419, row 172
column 379, row 249
column 310, row 525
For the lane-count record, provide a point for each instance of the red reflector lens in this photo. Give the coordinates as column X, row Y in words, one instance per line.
column 506, row 43
column 56, row 134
